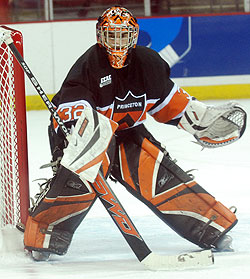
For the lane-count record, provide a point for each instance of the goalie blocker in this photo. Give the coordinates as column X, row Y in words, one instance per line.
column 144, row 168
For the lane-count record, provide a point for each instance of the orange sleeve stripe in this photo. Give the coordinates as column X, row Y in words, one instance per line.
column 107, row 112
column 149, row 106
column 176, row 106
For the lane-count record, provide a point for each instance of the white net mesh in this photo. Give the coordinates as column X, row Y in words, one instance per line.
column 9, row 185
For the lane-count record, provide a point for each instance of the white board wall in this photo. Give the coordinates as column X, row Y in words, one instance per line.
column 51, row 48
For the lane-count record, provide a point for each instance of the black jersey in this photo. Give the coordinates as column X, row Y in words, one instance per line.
column 123, row 95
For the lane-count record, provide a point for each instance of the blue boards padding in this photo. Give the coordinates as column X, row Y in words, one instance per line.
column 220, row 45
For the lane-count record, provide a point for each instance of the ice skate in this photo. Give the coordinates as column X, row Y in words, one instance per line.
column 40, row 256
column 224, row 244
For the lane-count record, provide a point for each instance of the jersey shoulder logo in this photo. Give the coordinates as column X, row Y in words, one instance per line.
column 105, row 81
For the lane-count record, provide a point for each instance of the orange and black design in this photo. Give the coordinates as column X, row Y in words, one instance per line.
column 129, row 110
column 55, row 217
column 70, row 112
column 172, row 107
column 145, row 169
column 60, row 209
column 117, row 31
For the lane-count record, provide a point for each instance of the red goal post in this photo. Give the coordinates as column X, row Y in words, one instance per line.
column 14, row 182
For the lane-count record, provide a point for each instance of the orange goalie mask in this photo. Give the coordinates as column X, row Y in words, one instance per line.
column 117, row 31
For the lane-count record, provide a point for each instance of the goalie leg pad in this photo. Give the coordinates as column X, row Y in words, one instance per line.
column 57, row 214
column 147, row 171
column 39, row 237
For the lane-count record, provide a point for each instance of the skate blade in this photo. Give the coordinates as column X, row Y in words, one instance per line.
column 40, row 256
column 225, row 244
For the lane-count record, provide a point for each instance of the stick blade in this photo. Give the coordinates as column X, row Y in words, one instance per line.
column 179, row 262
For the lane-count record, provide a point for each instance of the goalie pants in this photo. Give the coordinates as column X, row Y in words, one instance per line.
column 144, row 167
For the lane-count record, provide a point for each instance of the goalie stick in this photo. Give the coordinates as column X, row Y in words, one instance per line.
column 112, row 204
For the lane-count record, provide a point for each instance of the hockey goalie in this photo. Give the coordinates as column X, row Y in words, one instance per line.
column 117, row 80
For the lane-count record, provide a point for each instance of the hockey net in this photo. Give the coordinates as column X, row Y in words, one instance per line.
column 14, row 185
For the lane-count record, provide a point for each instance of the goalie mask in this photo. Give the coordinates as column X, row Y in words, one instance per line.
column 117, row 31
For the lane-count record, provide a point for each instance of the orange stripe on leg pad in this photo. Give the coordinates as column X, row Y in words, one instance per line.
column 32, row 235
column 147, row 163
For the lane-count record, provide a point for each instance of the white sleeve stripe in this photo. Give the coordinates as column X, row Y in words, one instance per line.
column 75, row 103
column 152, row 101
column 105, row 108
column 180, row 114
column 165, row 102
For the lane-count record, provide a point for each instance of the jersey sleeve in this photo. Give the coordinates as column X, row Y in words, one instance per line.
column 170, row 108
column 73, row 95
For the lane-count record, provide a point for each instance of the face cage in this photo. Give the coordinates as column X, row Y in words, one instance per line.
column 123, row 38
column 119, row 43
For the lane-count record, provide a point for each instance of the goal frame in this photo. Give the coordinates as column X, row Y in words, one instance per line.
column 22, row 187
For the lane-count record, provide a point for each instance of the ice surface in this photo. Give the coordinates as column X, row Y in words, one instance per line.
column 99, row 251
